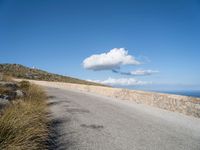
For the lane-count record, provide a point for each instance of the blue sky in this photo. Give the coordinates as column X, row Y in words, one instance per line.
column 58, row 35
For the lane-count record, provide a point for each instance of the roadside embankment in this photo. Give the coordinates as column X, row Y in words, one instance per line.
column 23, row 120
column 182, row 104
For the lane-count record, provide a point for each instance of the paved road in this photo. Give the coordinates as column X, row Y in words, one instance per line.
column 87, row 122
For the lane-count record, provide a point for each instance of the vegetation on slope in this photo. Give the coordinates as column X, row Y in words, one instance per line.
column 20, row 71
column 23, row 123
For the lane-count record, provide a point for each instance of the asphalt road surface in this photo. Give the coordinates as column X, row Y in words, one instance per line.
column 84, row 121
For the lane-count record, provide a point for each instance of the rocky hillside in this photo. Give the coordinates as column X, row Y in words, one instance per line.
column 20, row 71
column 10, row 91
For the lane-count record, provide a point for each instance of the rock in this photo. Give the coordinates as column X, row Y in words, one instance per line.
column 10, row 85
column 11, row 95
column 19, row 93
column 3, row 103
column 9, row 90
column 2, row 96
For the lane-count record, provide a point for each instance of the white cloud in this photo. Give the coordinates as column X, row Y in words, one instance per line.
column 110, row 60
column 143, row 72
column 121, row 81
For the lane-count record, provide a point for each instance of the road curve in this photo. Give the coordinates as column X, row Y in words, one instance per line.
column 84, row 121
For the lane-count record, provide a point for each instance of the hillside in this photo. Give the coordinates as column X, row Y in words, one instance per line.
column 20, row 71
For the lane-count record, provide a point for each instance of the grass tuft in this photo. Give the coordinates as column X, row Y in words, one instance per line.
column 24, row 85
column 23, row 124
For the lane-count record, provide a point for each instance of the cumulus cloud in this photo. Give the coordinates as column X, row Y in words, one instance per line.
column 111, row 60
column 138, row 72
column 121, row 81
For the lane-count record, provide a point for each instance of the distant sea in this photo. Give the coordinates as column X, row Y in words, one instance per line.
column 185, row 93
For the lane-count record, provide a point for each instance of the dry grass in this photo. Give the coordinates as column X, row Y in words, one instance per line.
column 23, row 72
column 23, row 125
column 3, row 90
column 6, row 78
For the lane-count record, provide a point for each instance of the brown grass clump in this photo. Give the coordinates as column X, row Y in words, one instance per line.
column 23, row 125
column 24, row 85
